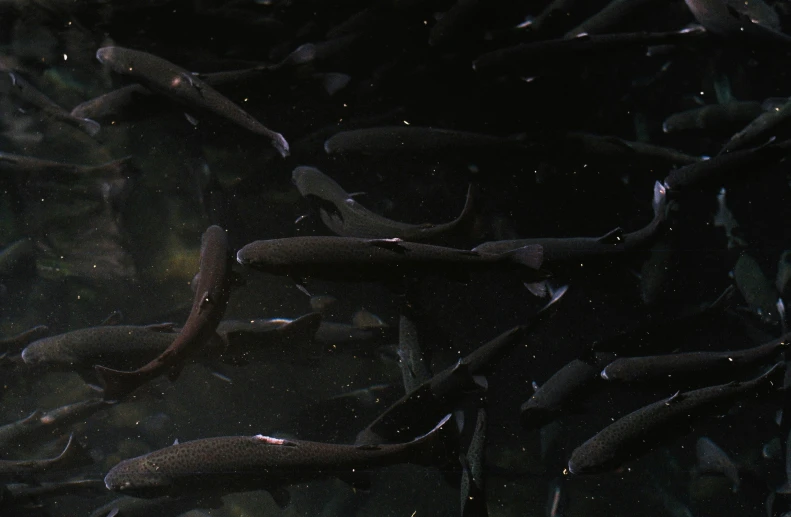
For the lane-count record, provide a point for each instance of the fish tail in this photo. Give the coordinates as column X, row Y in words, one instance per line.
column 436, row 446
column 531, row 256
column 118, row 384
column 73, row 455
column 89, row 126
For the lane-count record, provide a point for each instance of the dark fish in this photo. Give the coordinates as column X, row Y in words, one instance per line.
column 473, row 487
column 721, row 168
column 16, row 495
column 23, row 470
column 613, row 14
column 173, row 81
column 242, row 341
column 29, row 165
column 617, row 148
column 15, row 344
column 530, row 58
column 414, row 368
column 118, row 346
column 563, row 391
column 640, row 431
column 27, row 92
column 713, row 460
column 713, row 116
column 754, row 20
column 49, row 423
column 724, row 219
column 261, row 462
column 410, row 415
column 334, row 333
column 346, row 217
column 127, row 506
column 352, row 259
column 554, row 10
column 414, row 139
column 692, row 365
column 758, row 291
column 211, row 297
column 566, row 255
column 111, row 103
column 759, row 130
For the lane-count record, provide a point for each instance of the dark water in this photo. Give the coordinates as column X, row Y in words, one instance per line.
column 127, row 238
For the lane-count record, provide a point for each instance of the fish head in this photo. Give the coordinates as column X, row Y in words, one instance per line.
column 105, row 54
column 36, row 353
column 139, row 477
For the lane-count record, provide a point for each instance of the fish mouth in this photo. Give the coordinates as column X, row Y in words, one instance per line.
column 241, row 259
column 101, row 54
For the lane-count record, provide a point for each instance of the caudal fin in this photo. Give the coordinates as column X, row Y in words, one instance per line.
column 118, row 384
column 436, row 446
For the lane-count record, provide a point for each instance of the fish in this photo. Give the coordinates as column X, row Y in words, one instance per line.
column 342, row 214
column 415, row 139
column 563, row 391
column 759, row 292
column 21, row 88
column 414, row 367
column 111, row 103
column 713, row 117
column 554, row 11
column 724, row 219
column 755, row 19
column 718, row 170
column 51, row 422
column 439, row 394
column 258, row 462
column 760, row 129
column 212, row 291
column 16, row 494
column 114, row 102
column 681, row 367
column 23, row 470
column 783, row 278
column 322, row 302
column 612, row 14
column 175, row 82
column 473, row 488
column 613, row 147
column 640, row 431
column 569, row 255
column 118, row 346
column 713, row 460
column 21, row 164
column 354, row 259
column 16, row 343
column 532, row 58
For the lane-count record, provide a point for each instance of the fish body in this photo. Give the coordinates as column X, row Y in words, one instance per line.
column 260, row 462
column 645, row 428
column 170, row 80
column 562, row 391
column 437, row 395
column 212, row 290
column 12, row 470
column 353, row 259
column 713, row 116
column 399, row 139
column 713, row 460
column 118, row 346
column 24, row 90
column 348, row 218
column 414, row 368
column 691, row 365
